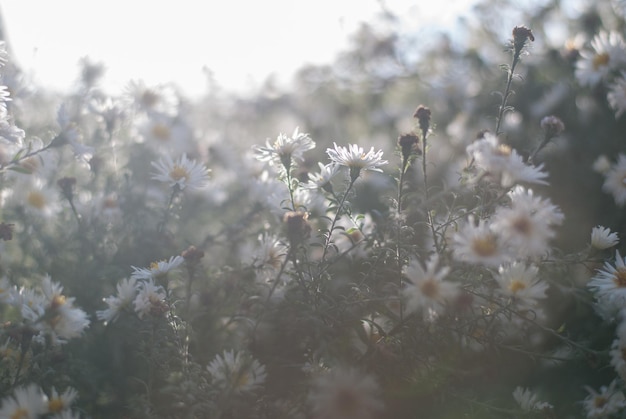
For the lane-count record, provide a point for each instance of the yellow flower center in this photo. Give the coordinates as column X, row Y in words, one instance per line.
column 56, row 405
column 161, row 132
column 516, row 285
column 600, row 401
column 178, row 173
column 57, row 301
column 600, row 60
column 485, row 246
column 620, row 277
column 503, row 150
column 20, row 413
column 36, row 199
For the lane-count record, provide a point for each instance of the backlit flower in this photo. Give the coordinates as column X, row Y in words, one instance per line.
column 183, row 173
column 356, row 159
column 527, row 400
column 285, row 149
column 126, row 292
column 603, row 238
column 521, row 283
column 25, row 403
column 157, row 269
column 237, row 372
column 607, row 401
column 150, row 300
column 610, row 281
column 479, row 244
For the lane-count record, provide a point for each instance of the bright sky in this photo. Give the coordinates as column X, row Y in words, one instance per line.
column 240, row 41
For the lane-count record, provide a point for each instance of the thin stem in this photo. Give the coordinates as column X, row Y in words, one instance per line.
column 337, row 215
column 168, row 208
column 507, row 91
column 426, row 195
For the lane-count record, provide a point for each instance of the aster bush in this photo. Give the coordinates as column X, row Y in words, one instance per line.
column 409, row 245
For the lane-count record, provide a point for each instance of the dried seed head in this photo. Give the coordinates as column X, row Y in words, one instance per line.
column 422, row 114
column 521, row 34
column 552, row 126
column 297, row 227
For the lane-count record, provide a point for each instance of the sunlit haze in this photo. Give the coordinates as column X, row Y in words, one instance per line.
column 241, row 42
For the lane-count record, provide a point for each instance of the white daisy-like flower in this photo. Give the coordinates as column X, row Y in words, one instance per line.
column 268, row 254
column 615, row 181
column 479, row 244
column 528, row 224
column 503, row 163
column 157, row 269
column 428, row 291
column 617, row 95
column 143, row 98
column 356, row 159
column 618, row 357
column 345, row 393
column 181, row 174
column 521, row 283
column 54, row 314
column 35, row 197
column 611, row 281
column 609, row 54
column 26, row 403
column 58, row 403
column 126, row 293
column 322, row 180
column 604, row 403
column 528, row 400
column 150, row 300
column 285, row 150
column 237, row 372
column 603, row 238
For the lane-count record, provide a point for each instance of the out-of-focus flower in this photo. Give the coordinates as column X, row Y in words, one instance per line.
column 355, row 159
column 479, row 244
column 322, row 180
column 237, row 372
column 528, row 224
column 618, row 357
column 26, row 402
column 58, row 403
column 615, row 181
column 609, row 54
column 528, row 400
column 181, row 174
column 521, row 283
column 150, row 300
column 604, row 403
column 617, row 95
column 603, row 238
column 150, row 99
column 503, row 163
column 345, row 393
column 126, row 292
column 602, row 164
column 428, row 291
column 285, row 149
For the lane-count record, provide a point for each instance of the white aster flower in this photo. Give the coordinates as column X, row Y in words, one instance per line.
column 615, row 181
column 503, row 163
column 149, row 99
column 157, row 269
column 610, row 282
column 608, row 55
column 479, row 244
column 237, row 372
column 285, row 150
column 345, row 394
column 603, row 238
column 528, row 224
column 618, row 357
column 617, row 95
column 356, row 159
column 428, row 291
column 25, row 403
column 521, row 283
column 322, row 180
column 527, row 400
column 126, row 292
column 58, row 403
column 604, row 403
column 150, row 300
column 181, row 174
